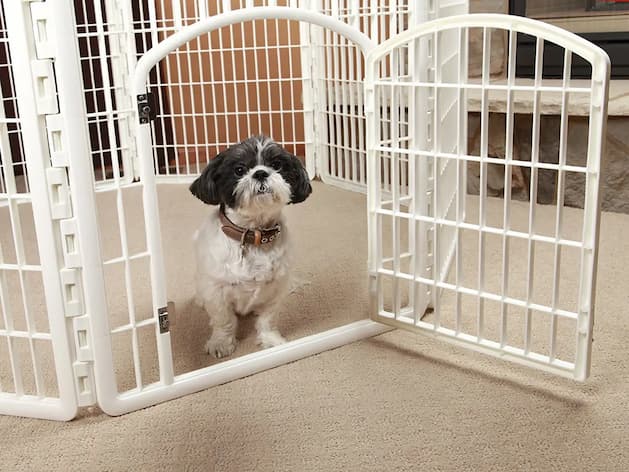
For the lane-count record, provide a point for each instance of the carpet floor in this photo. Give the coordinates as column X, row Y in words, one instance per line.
column 399, row 401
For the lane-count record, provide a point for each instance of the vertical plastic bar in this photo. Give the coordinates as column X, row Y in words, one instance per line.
column 221, row 54
column 155, row 249
column 561, row 189
column 338, row 103
column 279, row 79
column 121, row 38
column 183, row 114
column 245, row 79
column 309, row 84
column 483, row 180
column 461, row 183
column 329, row 74
column 213, row 87
column 530, row 273
column 349, row 172
column 169, row 84
column 591, row 216
column 291, row 81
column 256, row 70
column 268, row 75
column 204, row 111
column 354, row 91
column 395, row 104
column 506, row 214
column 436, row 149
column 177, row 19
column 158, row 70
column 373, row 186
column 193, row 111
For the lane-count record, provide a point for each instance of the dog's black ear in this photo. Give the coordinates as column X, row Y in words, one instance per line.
column 204, row 187
column 300, row 182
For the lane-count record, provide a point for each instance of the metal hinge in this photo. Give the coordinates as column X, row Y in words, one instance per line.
column 162, row 317
column 165, row 317
column 146, row 108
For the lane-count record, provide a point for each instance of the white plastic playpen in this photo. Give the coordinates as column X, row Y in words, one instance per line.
column 111, row 98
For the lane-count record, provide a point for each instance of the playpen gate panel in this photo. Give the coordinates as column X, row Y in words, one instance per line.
column 40, row 291
column 519, row 285
column 132, row 335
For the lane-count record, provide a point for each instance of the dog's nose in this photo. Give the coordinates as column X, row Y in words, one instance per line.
column 260, row 174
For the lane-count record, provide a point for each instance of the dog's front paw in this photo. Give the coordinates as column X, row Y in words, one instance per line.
column 220, row 347
column 268, row 339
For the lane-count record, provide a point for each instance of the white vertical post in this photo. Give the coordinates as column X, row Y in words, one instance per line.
column 307, row 50
column 591, row 216
column 122, row 60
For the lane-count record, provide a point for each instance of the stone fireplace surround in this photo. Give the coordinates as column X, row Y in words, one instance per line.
column 615, row 165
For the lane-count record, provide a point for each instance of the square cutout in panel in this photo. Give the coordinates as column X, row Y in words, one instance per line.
column 134, row 220
column 518, row 268
column 6, row 375
column 142, row 295
column 540, row 332
column 36, row 301
column 16, row 301
column 565, row 346
column 492, row 320
column 512, row 325
column 544, row 264
column 569, row 275
column 29, row 236
column 492, row 277
column 7, row 240
column 46, row 365
column 468, row 256
column 116, row 294
column 108, row 223
column 149, row 362
column 122, row 354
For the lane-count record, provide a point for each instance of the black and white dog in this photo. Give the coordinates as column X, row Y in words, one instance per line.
column 242, row 249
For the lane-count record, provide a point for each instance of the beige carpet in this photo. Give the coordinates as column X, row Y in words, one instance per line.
column 396, row 402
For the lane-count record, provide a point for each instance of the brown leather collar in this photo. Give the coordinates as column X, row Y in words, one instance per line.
column 248, row 236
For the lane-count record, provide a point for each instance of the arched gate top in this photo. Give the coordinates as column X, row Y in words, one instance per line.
column 567, row 40
column 162, row 49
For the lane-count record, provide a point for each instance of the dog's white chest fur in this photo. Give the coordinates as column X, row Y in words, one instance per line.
column 248, row 280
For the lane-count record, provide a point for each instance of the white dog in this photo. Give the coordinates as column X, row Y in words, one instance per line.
column 242, row 249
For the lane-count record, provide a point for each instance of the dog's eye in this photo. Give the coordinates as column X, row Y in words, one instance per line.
column 240, row 170
column 277, row 165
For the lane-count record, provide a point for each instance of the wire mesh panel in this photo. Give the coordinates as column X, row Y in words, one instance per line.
column 298, row 83
column 216, row 90
column 339, row 73
column 520, row 283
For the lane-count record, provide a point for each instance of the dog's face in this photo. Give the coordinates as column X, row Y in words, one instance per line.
column 255, row 174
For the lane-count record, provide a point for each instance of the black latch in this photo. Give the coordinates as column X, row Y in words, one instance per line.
column 146, row 107
column 162, row 318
